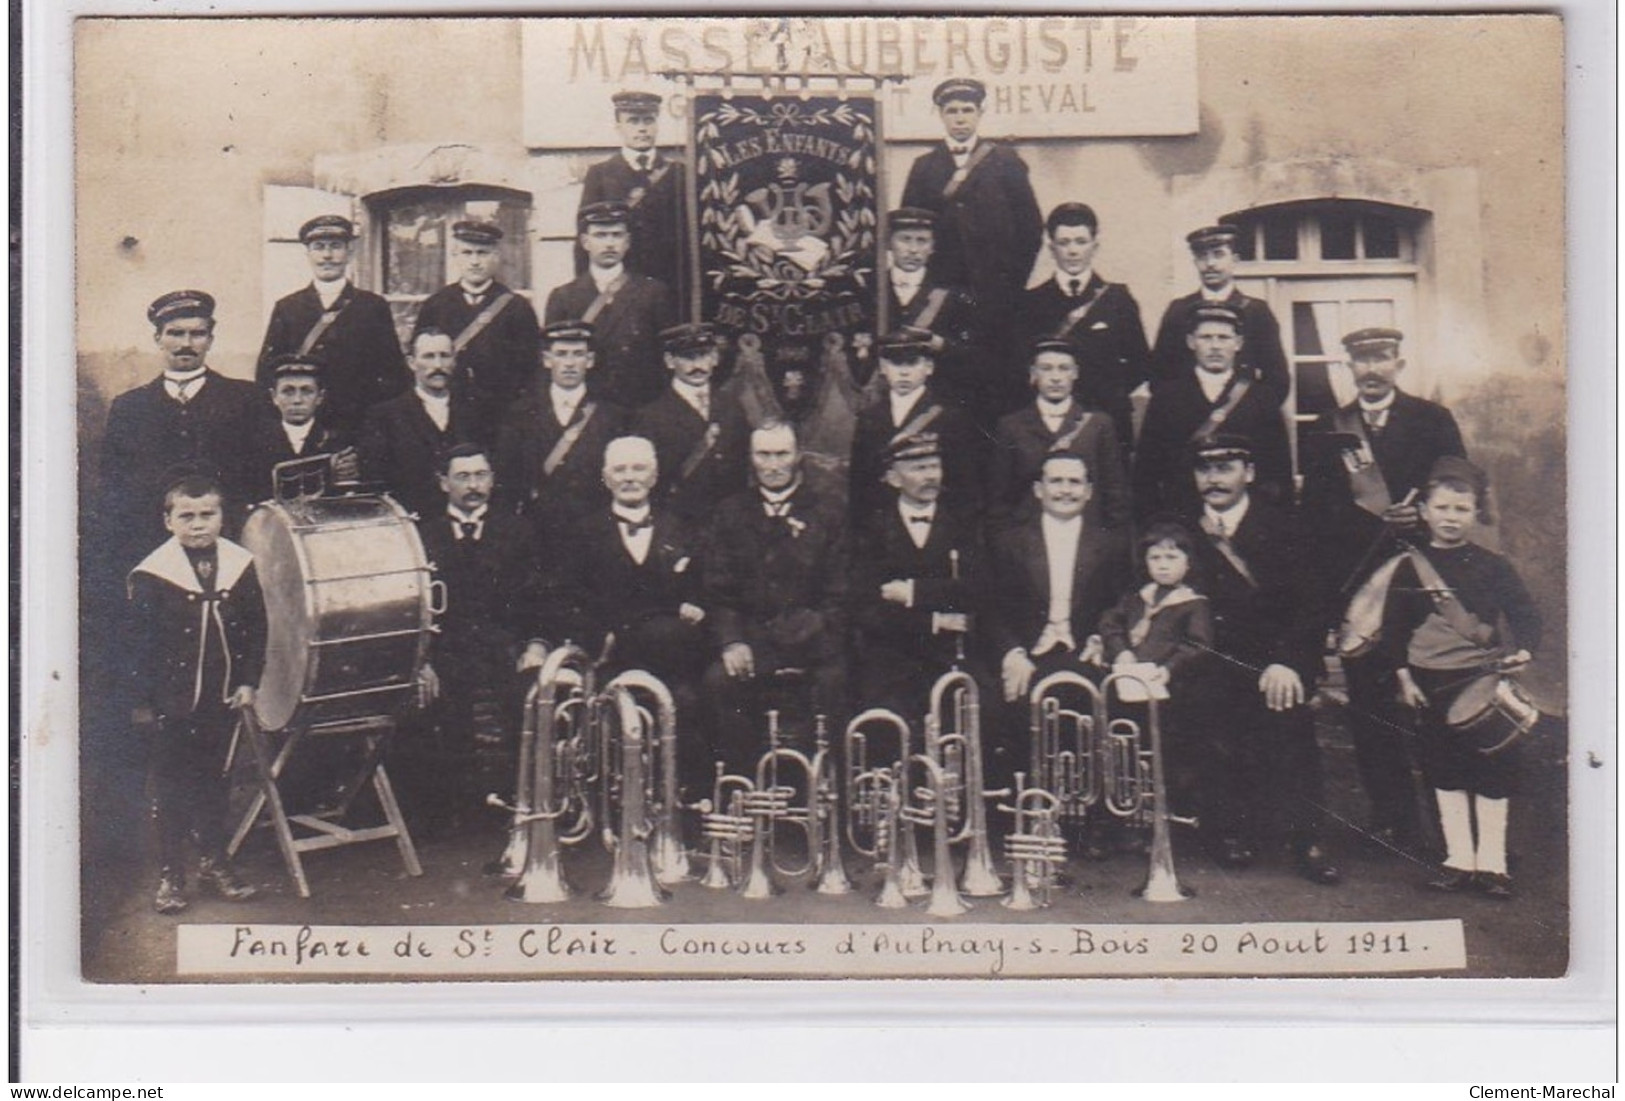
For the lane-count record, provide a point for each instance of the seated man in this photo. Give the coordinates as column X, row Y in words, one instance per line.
column 775, row 584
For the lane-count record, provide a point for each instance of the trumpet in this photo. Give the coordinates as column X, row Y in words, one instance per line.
column 783, row 776
column 632, row 883
column 871, row 803
column 956, row 747
column 726, row 827
column 1035, row 846
column 670, row 858
column 1148, row 792
column 556, row 774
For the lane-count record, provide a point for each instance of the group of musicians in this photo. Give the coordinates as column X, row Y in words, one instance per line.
column 588, row 476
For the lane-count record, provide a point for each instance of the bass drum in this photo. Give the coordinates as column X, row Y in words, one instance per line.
column 1492, row 713
column 350, row 602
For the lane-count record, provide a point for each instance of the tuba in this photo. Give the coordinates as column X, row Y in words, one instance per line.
column 623, row 724
column 557, row 759
column 953, row 739
column 872, row 802
column 670, row 858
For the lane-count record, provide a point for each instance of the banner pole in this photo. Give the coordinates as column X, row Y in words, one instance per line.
column 692, row 202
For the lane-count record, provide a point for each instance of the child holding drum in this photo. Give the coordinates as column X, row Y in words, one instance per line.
column 1457, row 621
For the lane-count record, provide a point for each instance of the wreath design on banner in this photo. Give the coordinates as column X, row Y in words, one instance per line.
column 749, row 232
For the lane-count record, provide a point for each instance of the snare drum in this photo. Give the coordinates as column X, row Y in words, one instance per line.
column 1492, row 713
column 349, row 602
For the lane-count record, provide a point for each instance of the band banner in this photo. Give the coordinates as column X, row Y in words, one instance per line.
column 788, row 221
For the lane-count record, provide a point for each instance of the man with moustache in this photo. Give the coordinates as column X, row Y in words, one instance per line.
column 775, row 591
column 1216, row 392
column 492, row 628
column 1362, row 470
column 351, row 330
column 1213, row 251
column 1100, row 319
column 1262, row 771
column 627, row 310
column 552, row 443
column 650, row 185
column 401, row 437
column 988, row 226
column 917, row 569
column 493, row 327
column 700, row 434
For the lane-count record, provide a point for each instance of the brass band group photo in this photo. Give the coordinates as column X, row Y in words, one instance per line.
column 1004, row 585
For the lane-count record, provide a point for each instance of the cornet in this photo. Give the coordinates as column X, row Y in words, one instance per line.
column 1035, row 846
column 726, row 827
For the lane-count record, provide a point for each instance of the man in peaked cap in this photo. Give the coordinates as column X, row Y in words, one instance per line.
column 627, row 310
column 301, row 428
column 493, row 328
column 1215, row 392
column 1213, row 251
column 988, row 226
column 1262, row 764
column 189, row 416
column 1363, row 465
column 651, row 184
column 352, row 330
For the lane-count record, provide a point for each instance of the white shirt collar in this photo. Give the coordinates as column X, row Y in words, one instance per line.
column 692, row 394
column 1217, row 296
column 779, row 496
column 1232, row 517
column 1064, row 281
column 426, row 397
column 483, row 288
column 901, row 278
column 901, row 407
column 461, row 517
column 1378, row 406
column 1052, row 409
column 298, row 433
column 1053, row 524
column 329, row 292
column 631, row 515
column 182, row 378
column 566, row 399
column 1213, row 385
column 603, row 277
column 631, row 157
column 968, row 147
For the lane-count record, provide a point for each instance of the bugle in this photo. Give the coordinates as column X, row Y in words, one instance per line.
column 953, row 739
column 876, row 741
column 786, row 793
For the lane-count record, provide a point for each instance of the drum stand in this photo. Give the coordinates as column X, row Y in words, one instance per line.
column 326, row 828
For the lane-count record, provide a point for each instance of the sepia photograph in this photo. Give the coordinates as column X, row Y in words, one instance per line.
column 824, row 497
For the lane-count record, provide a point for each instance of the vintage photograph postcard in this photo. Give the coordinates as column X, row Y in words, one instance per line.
column 829, row 497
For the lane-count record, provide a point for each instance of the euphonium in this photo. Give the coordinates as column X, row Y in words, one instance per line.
column 632, row 880
column 957, row 750
column 1035, row 846
column 670, row 858
column 1161, row 882
column 555, row 756
column 871, row 794
column 774, row 801
column 927, row 804
column 727, row 827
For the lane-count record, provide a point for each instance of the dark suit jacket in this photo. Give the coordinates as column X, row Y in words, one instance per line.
column 871, row 439
column 883, row 551
column 1163, row 477
column 628, row 367
column 675, row 429
column 494, row 591
column 268, row 446
column 1260, row 338
column 148, row 434
column 1280, row 619
column 1418, row 433
column 498, row 363
column 987, row 234
column 529, row 433
column 400, row 447
column 611, row 592
column 1113, row 358
column 960, row 366
column 659, row 223
column 1020, row 605
column 1020, row 444
column 764, row 574
column 361, row 350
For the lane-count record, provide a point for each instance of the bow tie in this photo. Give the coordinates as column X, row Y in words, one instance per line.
column 959, row 150
column 632, row 527
column 921, row 518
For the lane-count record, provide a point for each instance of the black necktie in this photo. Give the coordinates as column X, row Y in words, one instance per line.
column 468, row 528
column 643, row 162
column 1075, row 287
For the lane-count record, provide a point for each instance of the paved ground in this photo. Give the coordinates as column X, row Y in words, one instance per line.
column 126, row 942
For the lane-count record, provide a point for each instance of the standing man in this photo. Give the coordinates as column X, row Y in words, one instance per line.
column 775, row 585
column 1100, row 319
column 1257, row 730
column 551, row 447
column 352, row 330
column 1213, row 250
column 301, row 429
column 626, row 310
column 988, row 226
column 1362, row 472
column 1055, row 421
column 1216, row 392
column 700, row 433
column 491, row 630
column 401, row 437
column 917, row 300
column 650, row 185
column 493, row 328
column 1054, row 573
column 917, row 570
column 189, row 416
